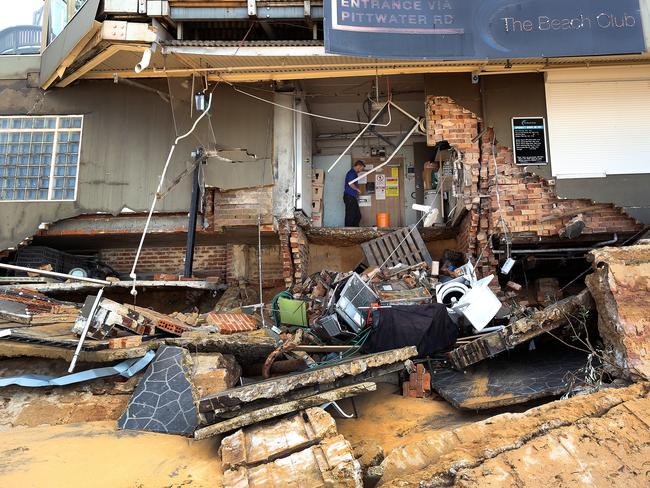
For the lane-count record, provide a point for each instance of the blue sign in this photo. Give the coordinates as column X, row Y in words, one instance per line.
column 482, row 29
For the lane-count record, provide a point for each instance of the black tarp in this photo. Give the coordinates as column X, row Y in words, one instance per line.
column 428, row 327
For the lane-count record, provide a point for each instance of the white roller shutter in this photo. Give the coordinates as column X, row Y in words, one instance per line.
column 599, row 121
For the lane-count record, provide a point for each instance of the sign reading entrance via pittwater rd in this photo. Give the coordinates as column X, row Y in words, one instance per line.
column 529, row 140
column 482, row 29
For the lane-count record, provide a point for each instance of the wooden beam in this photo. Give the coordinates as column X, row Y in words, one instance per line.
column 97, row 60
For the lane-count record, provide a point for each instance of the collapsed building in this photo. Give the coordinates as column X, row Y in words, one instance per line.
column 181, row 166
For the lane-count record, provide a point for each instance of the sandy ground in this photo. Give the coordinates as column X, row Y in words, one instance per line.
column 391, row 420
column 96, row 454
column 599, row 440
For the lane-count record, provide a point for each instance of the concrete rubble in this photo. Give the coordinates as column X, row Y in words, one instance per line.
column 273, row 389
column 620, row 285
column 302, row 450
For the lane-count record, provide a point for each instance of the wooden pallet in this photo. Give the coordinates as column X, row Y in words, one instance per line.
column 409, row 249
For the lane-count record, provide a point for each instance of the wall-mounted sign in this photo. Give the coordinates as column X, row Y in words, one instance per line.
column 529, row 140
column 479, row 29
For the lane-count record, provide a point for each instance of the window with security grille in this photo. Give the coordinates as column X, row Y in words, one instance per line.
column 39, row 157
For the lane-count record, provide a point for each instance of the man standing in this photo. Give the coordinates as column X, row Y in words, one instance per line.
column 351, row 195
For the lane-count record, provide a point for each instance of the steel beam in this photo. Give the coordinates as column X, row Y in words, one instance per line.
column 242, row 13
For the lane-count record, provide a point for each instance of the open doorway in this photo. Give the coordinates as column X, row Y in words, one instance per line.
column 388, row 193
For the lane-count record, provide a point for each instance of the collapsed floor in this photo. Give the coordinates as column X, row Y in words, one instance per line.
column 328, row 389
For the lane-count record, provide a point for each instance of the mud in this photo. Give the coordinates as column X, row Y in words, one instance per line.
column 96, row 454
column 390, row 420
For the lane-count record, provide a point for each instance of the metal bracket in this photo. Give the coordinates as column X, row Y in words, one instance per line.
column 252, row 8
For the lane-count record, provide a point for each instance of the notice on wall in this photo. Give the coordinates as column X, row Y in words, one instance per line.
column 367, row 168
column 365, row 201
column 392, row 187
column 394, row 172
column 380, row 181
column 380, row 193
column 529, row 140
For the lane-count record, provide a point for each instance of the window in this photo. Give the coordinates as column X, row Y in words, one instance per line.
column 39, row 157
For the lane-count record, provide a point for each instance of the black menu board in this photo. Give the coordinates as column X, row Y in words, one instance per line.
column 529, row 140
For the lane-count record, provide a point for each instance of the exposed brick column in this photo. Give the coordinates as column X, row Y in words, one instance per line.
column 295, row 252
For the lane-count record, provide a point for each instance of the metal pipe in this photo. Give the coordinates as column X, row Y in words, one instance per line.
column 565, row 249
column 54, row 274
column 390, row 158
column 77, row 351
column 365, row 128
column 146, row 58
column 191, row 224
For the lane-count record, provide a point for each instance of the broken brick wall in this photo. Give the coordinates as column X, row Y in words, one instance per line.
column 294, row 252
column 272, row 275
column 525, row 199
column 208, row 260
column 213, row 261
column 234, row 208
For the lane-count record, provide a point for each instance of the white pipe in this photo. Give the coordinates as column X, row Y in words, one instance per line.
column 146, row 58
column 365, row 128
column 77, row 351
column 390, row 158
column 53, row 274
column 160, row 184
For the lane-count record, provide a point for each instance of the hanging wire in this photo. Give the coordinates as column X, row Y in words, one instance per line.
column 304, row 112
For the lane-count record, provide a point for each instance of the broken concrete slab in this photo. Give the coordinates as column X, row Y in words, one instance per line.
column 275, row 387
column 620, row 286
column 328, row 464
column 247, row 348
column 442, row 458
column 513, row 380
column 268, row 441
column 38, row 342
column 214, row 372
column 262, row 414
column 521, row 331
column 164, row 400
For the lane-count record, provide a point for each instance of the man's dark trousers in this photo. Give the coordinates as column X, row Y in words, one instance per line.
column 352, row 211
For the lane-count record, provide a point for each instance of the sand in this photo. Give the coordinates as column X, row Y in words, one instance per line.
column 97, row 454
column 391, row 420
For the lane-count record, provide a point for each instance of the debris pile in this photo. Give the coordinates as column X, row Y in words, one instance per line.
column 254, row 456
column 264, row 376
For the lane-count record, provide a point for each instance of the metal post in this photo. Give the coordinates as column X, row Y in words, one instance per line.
column 191, row 225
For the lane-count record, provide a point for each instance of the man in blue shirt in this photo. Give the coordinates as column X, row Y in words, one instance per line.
column 351, row 195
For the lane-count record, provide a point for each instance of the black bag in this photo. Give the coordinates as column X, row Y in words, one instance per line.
column 427, row 327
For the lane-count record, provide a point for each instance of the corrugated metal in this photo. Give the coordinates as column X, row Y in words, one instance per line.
column 599, row 126
column 266, row 43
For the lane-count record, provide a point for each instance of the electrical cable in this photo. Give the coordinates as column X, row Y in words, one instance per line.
column 304, row 112
column 133, row 275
